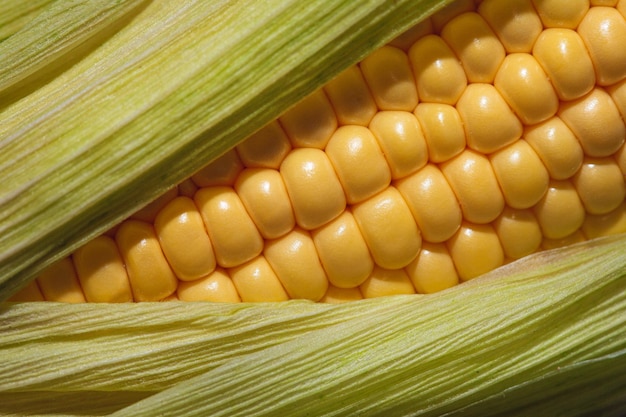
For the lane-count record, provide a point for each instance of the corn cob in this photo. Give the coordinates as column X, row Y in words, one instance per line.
column 431, row 162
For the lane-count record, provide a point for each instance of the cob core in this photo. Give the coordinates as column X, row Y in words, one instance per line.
column 431, row 162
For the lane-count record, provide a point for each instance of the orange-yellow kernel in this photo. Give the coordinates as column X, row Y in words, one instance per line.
column 474, row 183
column 564, row 57
column 266, row 148
column 389, row 229
column 314, row 190
column 151, row 277
column 222, row 171
column 29, row 293
column 478, row 48
column 557, row 147
column 568, row 240
column 600, row 185
column 443, row 130
column 336, row 295
column 475, row 250
column 618, row 94
column 560, row 212
column 518, row 231
column 401, row 140
column 432, row 202
column 311, row 122
column 405, row 40
column 101, row 272
column 561, row 13
column 256, row 281
column 149, row 212
column 620, row 157
column 522, row 176
column 294, row 259
column 611, row 223
column 263, row 193
column 384, row 282
column 433, row 269
column 58, row 282
column 607, row 3
column 343, row 251
column 187, row 188
column 359, row 162
column 621, row 7
column 525, row 86
column 438, row 73
column 603, row 29
column 171, row 297
column 450, row 11
column 596, row 122
column 216, row 287
column 234, row 236
column 515, row 22
column 184, row 240
column 351, row 98
column 389, row 77
column 489, row 122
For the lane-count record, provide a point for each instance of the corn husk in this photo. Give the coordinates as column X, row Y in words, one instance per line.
column 173, row 85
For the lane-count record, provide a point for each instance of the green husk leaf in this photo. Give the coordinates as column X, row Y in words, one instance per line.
column 14, row 14
column 519, row 341
column 176, row 87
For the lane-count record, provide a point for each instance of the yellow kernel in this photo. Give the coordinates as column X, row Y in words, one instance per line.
column 263, row 193
column 438, row 73
column 600, row 185
column 525, row 86
column 596, row 122
column 389, row 77
column 561, row 13
column 621, row 7
column 336, row 295
column 216, row 287
column 474, row 183
column 618, row 94
column 149, row 212
column 311, row 122
column 29, row 293
column 518, row 231
column 443, row 130
column 611, row 223
column 313, row 187
column 294, row 259
column 266, row 148
column 101, row 272
column 406, row 39
column 432, row 202
column 522, row 176
column 151, row 277
column 384, row 282
column 607, row 3
column 560, row 212
column 234, row 236
column 433, row 269
column 58, row 282
column 389, row 229
column 475, row 250
column 515, row 22
column 568, row 240
column 187, row 188
column 564, row 57
column 222, row 171
column 401, row 140
column 620, row 157
column 359, row 162
column 450, row 11
column 478, row 48
column 184, row 240
column 557, row 147
column 603, row 30
column 256, row 281
column 343, row 251
column 351, row 98
column 488, row 121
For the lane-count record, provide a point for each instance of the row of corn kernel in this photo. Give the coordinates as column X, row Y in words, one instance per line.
column 373, row 86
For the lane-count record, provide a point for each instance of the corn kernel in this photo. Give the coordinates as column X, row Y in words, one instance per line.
column 222, row 171
column 433, row 269
column 475, row 250
column 336, row 295
column 58, row 282
column 266, row 148
column 568, row 240
column 610, row 223
column 518, row 231
column 561, row 13
column 560, row 212
column 406, row 39
column 29, row 293
column 256, row 281
column 216, row 287
column 384, row 282
column 515, row 22
column 311, row 122
column 600, row 185
column 443, row 130
column 351, row 98
column 149, row 212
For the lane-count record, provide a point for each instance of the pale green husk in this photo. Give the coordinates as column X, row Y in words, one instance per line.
column 14, row 14
column 545, row 336
column 178, row 85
